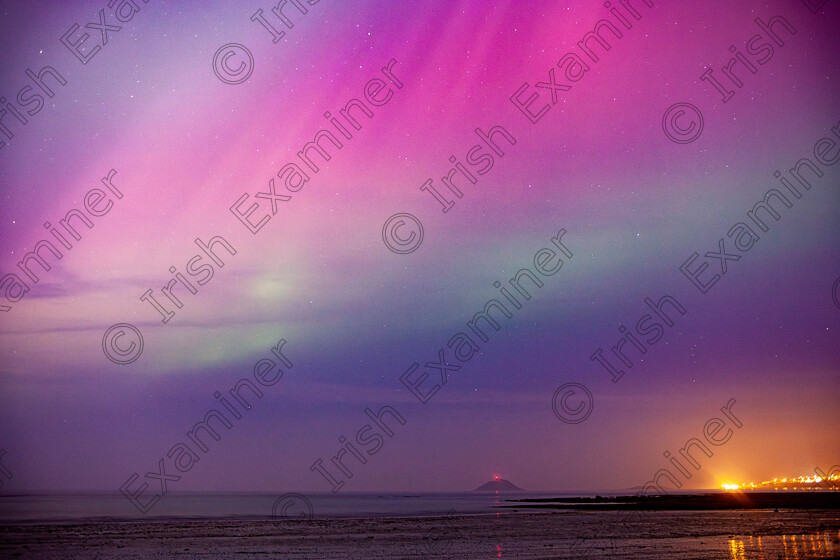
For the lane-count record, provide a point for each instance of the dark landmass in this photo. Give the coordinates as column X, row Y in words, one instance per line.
column 499, row 485
column 729, row 500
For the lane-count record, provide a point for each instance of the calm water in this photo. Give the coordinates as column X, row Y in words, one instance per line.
column 89, row 507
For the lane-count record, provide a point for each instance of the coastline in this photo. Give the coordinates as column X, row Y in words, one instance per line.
column 687, row 534
column 708, row 501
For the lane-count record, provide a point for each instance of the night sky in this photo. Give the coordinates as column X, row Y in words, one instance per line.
column 595, row 170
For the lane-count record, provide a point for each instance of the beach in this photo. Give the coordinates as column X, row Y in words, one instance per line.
column 717, row 534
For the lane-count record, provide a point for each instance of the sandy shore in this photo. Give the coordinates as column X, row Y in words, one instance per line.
column 733, row 535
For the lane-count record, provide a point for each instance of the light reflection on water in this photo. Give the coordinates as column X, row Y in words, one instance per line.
column 824, row 544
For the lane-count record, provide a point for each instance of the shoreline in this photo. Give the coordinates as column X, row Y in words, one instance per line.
column 533, row 535
column 690, row 502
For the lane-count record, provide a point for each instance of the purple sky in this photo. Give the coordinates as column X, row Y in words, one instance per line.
column 635, row 206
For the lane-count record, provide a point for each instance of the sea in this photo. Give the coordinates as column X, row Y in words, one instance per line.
column 44, row 507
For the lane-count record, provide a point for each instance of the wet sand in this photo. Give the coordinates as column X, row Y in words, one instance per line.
column 718, row 535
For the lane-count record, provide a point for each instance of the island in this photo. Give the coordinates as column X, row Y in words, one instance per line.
column 499, row 485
